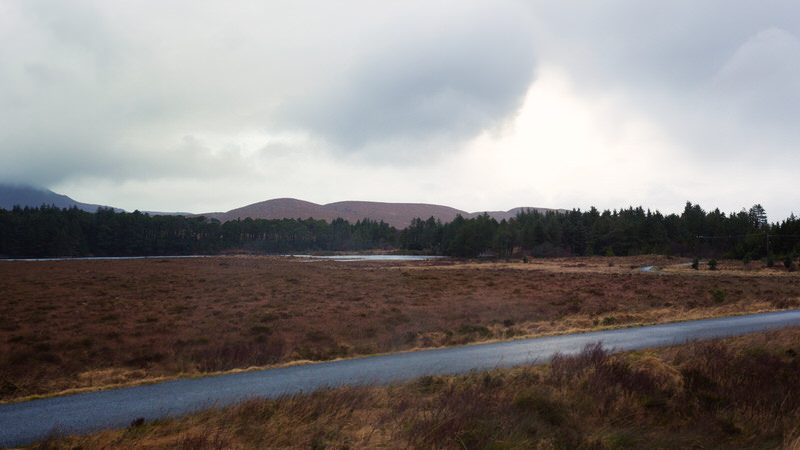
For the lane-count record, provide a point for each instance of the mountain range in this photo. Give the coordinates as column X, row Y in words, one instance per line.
column 12, row 195
column 398, row 215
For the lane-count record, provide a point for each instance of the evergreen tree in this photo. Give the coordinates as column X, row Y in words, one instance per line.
column 758, row 216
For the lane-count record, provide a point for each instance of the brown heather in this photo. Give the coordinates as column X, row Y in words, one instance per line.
column 91, row 324
column 736, row 393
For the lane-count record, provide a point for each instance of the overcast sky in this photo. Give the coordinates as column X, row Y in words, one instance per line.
column 204, row 106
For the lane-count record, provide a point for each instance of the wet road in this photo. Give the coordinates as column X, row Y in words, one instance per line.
column 26, row 422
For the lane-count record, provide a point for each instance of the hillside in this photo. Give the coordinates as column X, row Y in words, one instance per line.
column 398, row 215
column 19, row 195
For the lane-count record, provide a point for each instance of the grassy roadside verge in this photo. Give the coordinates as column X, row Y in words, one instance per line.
column 741, row 392
column 146, row 381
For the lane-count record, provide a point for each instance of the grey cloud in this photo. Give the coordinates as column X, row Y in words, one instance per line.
column 127, row 90
column 720, row 78
column 447, row 81
column 678, row 44
column 762, row 80
column 83, row 94
column 48, row 160
column 90, row 88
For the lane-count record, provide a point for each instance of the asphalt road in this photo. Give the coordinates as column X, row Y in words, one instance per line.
column 27, row 422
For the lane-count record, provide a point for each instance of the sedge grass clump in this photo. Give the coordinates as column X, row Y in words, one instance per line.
column 608, row 321
column 214, row 357
column 540, row 402
column 754, row 391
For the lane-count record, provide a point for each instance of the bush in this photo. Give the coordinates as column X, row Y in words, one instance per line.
column 482, row 331
column 610, row 320
column 539, row 402
column 712, row 264
column 261, row 329
column 695, row 264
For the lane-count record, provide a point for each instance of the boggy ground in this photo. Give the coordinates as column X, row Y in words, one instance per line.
column 79, row 324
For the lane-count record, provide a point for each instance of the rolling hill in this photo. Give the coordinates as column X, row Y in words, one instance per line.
column 398, row 215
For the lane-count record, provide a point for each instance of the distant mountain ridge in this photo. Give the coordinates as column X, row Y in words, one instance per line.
column 12, row 195
column 398, row 215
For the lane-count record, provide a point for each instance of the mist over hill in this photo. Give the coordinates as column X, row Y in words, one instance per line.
column 21, row 195
column 12, row 195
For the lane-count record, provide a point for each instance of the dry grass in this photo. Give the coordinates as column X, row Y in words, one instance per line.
column 736, row 393
column 89, row 324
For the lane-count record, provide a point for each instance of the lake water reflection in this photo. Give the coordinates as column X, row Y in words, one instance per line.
column 329, row 257
column 369, row 257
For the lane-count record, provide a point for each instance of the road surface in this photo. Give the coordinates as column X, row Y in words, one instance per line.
column 27, row 422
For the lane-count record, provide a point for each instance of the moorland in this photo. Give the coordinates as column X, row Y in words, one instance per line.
column 72, row 325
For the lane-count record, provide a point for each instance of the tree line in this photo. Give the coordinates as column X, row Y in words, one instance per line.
column 49, row 231
column 632, row 231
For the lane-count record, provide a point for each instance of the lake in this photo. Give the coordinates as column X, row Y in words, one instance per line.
column 369, row 257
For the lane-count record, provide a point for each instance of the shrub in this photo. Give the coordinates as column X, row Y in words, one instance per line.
column 712, row 264
column 718, row 295
column 318, row 336
column 225, row 356
column 261, row 329
column 695, row 264
column 539, row 402
column 482, row 331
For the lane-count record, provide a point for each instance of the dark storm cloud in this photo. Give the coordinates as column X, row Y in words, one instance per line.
column 447, row 79
column 111, row 90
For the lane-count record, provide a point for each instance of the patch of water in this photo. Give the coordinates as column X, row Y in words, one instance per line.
column 369, row 257
column 90, row 258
